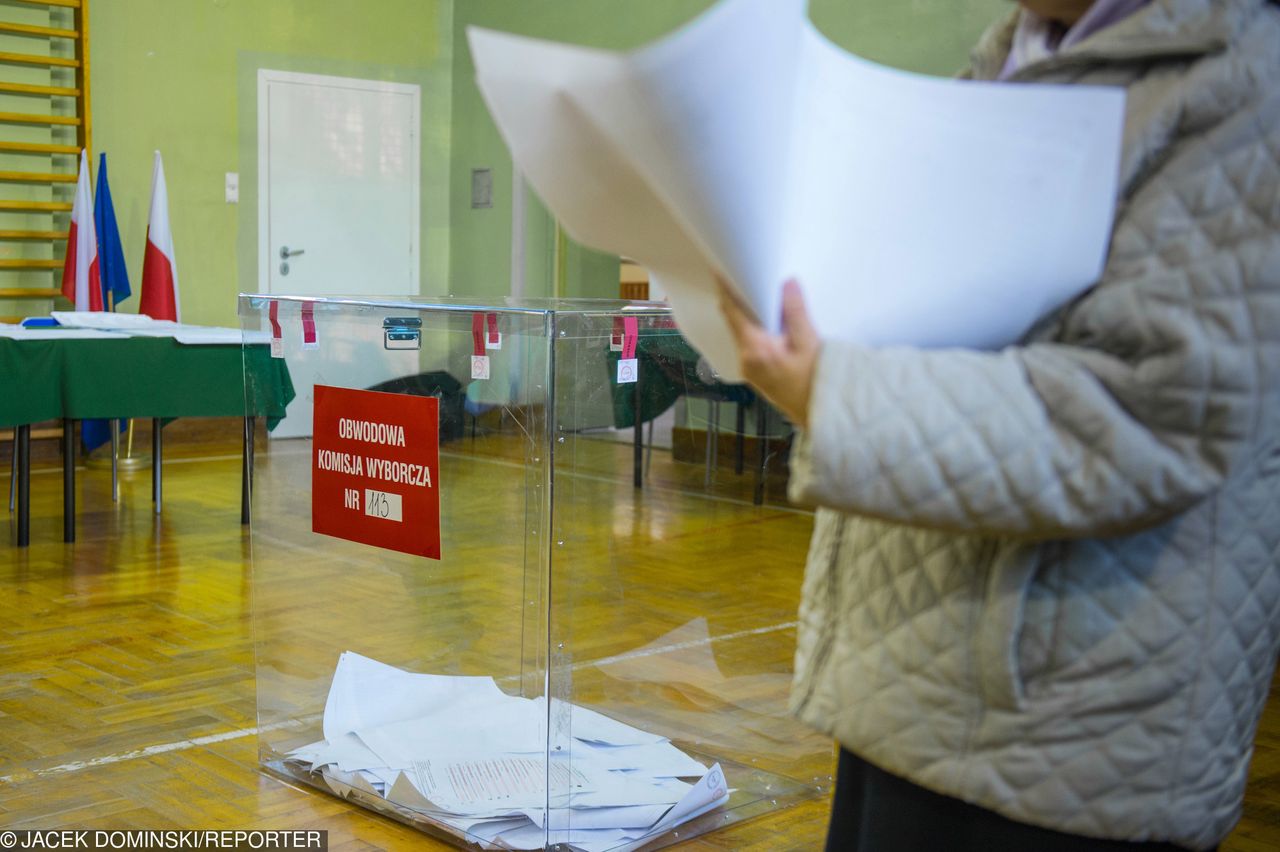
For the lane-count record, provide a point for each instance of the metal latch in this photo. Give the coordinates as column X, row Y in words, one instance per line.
column 402, row 333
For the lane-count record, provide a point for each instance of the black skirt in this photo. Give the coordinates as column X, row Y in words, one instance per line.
column 874, row 811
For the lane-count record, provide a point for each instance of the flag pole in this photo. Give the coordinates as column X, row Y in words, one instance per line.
column 114, row 282
column 128, row 460
column 117, row 462
column 115, row 437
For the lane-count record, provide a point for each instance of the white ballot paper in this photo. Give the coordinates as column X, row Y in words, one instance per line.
column 912, row 210
column 141, row 325
column 17, row 332
column 108, row 320
column 497, row 783
column 464, row 753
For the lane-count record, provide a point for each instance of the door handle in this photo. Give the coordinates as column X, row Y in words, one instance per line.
column 285, row 254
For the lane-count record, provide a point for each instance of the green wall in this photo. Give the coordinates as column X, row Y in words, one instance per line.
column 180, row 76
column 931, row 36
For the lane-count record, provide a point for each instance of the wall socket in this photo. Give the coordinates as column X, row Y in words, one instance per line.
column 233, row 187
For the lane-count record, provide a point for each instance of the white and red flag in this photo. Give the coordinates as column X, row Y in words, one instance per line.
column 159, row 268
column 81, row 280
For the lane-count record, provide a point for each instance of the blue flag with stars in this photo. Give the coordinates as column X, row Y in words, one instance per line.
column 115, row 280
column 115, row 276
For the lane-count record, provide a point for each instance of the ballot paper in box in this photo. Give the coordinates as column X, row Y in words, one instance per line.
column 461, row 751
column 489, row 633
column 912, row 210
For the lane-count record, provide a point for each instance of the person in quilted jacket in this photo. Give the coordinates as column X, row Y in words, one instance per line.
column 1041, row 609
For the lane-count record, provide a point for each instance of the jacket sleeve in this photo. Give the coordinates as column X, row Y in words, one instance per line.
column 1155, row 386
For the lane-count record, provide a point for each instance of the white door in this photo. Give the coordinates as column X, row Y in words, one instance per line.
column 338, row 185
column 338, row 190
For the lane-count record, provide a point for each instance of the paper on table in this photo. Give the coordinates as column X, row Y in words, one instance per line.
column 913, row 210
column 140, row 325
column 203, row 335
column 209, row 335
column 147, row 330
column 17, row 332
column 107, row 320
column 198, row 335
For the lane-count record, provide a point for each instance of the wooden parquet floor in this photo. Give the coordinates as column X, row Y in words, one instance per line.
column 127, row 693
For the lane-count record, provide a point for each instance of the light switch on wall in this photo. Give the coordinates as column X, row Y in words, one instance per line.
column 233, row 187
column 481, row 188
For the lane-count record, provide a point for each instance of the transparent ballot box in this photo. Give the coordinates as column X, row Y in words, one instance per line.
column 489, row 605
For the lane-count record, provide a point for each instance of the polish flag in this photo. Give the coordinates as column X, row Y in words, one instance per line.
column 81, row 281
column 159, row 268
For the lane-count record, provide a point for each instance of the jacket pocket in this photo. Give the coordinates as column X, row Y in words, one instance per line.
column 1012, row 568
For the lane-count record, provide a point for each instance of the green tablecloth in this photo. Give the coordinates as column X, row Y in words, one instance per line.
column 138, row 377
column 668, row 370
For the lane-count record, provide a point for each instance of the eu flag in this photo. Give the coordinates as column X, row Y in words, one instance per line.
column 115, row 277
column 115, row 280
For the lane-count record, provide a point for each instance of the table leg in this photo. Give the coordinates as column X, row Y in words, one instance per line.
column 246, row 469
column 715, row 436
column 706, row 452
column 23, row 436
column 764, row 449
column 648, row 450
column 740, row 442
column 638, row 449
column 157, row 470
column 115, row 460
column 68, row 480
column 13, row 472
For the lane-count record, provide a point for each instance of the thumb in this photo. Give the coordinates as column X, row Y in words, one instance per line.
column 795, row 317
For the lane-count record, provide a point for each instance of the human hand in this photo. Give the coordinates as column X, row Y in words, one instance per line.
column 779, row 366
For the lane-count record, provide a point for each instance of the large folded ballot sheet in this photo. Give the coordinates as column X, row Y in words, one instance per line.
column 913, row 210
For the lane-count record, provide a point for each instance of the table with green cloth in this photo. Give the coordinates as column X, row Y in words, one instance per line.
column 131, row 377
column 669, row 368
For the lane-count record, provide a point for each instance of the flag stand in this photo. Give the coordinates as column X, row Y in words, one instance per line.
column 117, row 463
column 127, row 463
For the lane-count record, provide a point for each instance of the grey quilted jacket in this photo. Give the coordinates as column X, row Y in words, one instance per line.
column 1045, row 580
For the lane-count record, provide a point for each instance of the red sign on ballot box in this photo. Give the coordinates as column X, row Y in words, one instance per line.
column 375, row 469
